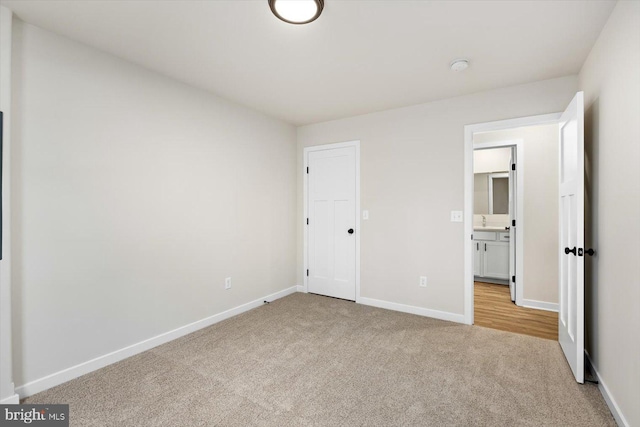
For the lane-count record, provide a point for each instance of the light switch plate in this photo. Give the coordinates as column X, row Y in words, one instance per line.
column 456, row 216
column 365, row 214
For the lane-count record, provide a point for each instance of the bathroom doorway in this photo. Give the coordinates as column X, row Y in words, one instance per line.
column 514, row 226
column 495, row 218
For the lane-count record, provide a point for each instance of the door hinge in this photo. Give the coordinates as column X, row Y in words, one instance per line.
column 513, row 166
column 307, row 169
column 513, row 223
column 307, row 221
column 472, row 237
column 307, row 272
column 513, row 279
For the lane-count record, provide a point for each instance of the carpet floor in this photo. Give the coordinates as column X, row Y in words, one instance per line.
column 311, row 360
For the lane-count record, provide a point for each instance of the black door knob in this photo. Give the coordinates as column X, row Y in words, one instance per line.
column 350, row 231
column 570, row 251
column 590, row 252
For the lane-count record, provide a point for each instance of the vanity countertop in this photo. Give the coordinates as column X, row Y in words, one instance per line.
column 489, row 228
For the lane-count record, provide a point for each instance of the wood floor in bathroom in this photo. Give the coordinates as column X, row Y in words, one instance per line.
column 493, row 309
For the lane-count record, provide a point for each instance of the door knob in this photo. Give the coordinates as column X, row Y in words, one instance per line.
column 350, row 231
column 590, row 252
column 570, row 251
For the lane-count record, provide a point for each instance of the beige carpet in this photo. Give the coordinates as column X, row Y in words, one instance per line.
column 311, row 360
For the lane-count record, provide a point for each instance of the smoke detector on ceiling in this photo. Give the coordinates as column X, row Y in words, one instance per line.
column 458, row 65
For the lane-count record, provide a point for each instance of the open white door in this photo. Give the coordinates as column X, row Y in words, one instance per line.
column 512, row 219
column 571, row 176
column 332, row 219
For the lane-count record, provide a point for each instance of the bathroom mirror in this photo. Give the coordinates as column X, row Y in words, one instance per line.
column 491, row 193
column 498, row 193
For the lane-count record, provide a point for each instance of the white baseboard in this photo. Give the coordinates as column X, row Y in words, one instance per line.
column 540, row 305
column 442, row 315
column 11, row 400
column 300, row 288
column 68, row 374
column 608, row 398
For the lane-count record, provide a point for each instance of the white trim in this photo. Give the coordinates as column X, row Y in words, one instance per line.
column 540, row 305
column 468, row 225
column 608, row 398
column 7, row 390
column 68, row 374
column 300, row 288
column 469, row 130
column 305, row 164
column 542, row 119
column 11, row 400
column 442, row 315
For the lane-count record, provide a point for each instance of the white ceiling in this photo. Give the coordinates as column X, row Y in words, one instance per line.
column 358, row 57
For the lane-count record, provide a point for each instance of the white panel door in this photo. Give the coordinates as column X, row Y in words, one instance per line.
column 332, row 222
column 512, row 229
column 571, row 176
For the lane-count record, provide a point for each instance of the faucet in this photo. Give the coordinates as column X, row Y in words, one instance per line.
column 484, row 221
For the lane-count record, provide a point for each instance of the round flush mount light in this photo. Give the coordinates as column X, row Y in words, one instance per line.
column 297, row 11
column 458, row 65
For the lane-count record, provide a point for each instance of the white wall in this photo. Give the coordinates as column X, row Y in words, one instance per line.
column 610, row 79
column 134, row 197
column 493, row 160
column 480, row 196
column 540, row 207
column 412, row 176
column 7, row 394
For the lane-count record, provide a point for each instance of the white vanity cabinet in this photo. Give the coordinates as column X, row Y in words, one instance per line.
column 491, row 255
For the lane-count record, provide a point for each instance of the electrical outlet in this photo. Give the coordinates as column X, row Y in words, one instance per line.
column 423, row 281
column 227, row 283
column 456, row 216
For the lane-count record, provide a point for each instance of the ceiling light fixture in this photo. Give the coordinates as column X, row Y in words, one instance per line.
column 297, row 11
column 458, row 65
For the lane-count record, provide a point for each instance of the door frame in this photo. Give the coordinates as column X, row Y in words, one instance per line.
column 469, row 130
column 519, row 145
column 305, row 202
